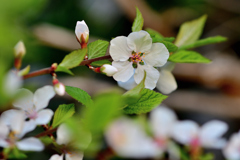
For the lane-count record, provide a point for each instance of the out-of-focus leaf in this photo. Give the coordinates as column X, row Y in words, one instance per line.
column 97, row 49
column 73, row 59
column 24, row 71
column 63, row 69
column 16, row 154
column 202, row 42
column 80, row 95
column 188, row 57
column 46, row 140
column 154, row 34
column 63, row 112
column 190, row 31
column 138, row 21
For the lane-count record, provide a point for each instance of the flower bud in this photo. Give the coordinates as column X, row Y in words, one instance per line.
column 108, row 69
column 58, row 87
column 82, row 33
column 19, row 50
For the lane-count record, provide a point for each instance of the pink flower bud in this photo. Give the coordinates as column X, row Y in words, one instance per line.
column 58, row 87
column 108, row 69
column 82, row 32
column 19, row 50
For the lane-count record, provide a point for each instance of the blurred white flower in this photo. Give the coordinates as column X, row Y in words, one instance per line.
column 209, row 135
column 135, row 54
column 33, row 104
column 19, row 50
column 166, row 82
column 13, row 128
column 82, row 32
column 108, row 69
column 232, row 150
column 64, row 137
column 128, row 139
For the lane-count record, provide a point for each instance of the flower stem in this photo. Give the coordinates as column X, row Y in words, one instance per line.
column 45, row 133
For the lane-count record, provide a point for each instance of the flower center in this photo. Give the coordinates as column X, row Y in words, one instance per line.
column 137, row 58
column 31, row 114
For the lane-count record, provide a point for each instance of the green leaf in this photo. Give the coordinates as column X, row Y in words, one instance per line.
column 190, row 31
column 106, row 107
column 154, row 34
column 63, row 112
column 169, row 45
column 138, row 21
column 80, row 95
column 46, row 140
column 16, row 154
column 100, row 63
column 202, row 42
column 97, row 49
column 184, row 56
column 208, row 156
column 73, row 59
column 63, row 69
column 149, row 100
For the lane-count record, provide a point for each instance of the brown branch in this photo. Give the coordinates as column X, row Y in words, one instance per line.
column 46, row 133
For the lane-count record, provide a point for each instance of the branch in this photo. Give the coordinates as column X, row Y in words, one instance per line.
column 46, row 133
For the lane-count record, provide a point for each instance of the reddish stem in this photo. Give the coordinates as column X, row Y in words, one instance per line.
column 45, row 133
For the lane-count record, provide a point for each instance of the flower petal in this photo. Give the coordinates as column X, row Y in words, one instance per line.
column 151, row 77
column 125, row 71
column 12, row 82
column 25, row 101
column 42, row 97
column 30, row 144
column 141, row 41
column 119, row 49
column 166, row 82
column 63, row 135
column 74, row 156
column 44, row 116
column 130, row 84
column 162, row 120
column 158, row 55
column 28, row 126
column 14, row 119
column 81, row 29
column 184, row 131
column 128, row 139
column 232, row 149
column 4, row 130
column 211, row 133
column 56, row 157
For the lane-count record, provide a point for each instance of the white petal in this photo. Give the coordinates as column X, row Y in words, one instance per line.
column 12, row 82
column 141, row 41
column 130, row 84
column 151, row 77
column 119, row 50
column 125, row 71
column 25, row 101
column 74, row 156
column 30, row 144
column 185, row 131
column 28, row 126
column 63, row 135
column 4, row 130
column 56, row 157
column 211, row 133
column 166, row 82
column 232, row 152
column 4, row 143
column 14, row 119
column 81, row 28
column 42, row 97
column 162, row 120
column 128, row 139
column 158, row 55
column 44, row 116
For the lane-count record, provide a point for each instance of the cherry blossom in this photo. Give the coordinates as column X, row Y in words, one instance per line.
column 19, row 50
column 34, row 104
column 232, row 150
column 135, row 54
column 108, row 69
column 209, row 135
column 13, row 128
column 82, row 32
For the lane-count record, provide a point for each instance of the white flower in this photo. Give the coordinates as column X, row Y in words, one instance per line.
column 209, row 135
column 108, row 69
column 232, row 150
column 128, row 139
column 12, row 82
column 64, row 137
column 19, row 50
column 166, row 82
column 135, row 54
column 33, row 104
column 82, row 32
column 13, row 128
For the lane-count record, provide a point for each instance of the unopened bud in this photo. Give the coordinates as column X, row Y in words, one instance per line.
column 19, row 50
column 108, row 69
column 58, row 87
column 82, row 33
column 24, row 71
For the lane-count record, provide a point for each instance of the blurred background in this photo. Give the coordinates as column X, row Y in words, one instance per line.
column 205, row 91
